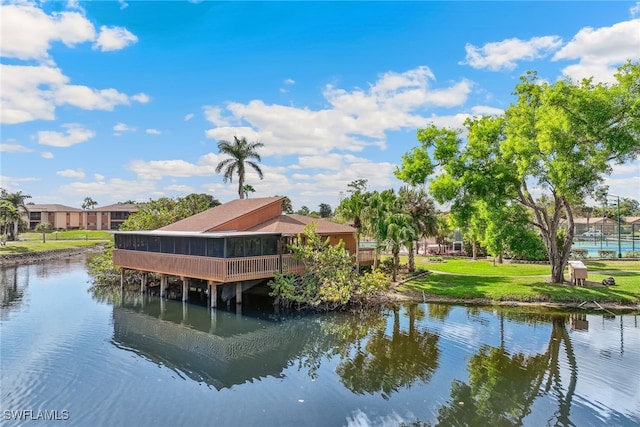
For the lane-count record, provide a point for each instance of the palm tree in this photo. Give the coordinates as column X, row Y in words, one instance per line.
column 17, row 200
column 8, row 216
column 241, row 153
column 423, row 213
column 248, row 188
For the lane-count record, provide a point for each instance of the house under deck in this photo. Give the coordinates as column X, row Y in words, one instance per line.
column 219, row 258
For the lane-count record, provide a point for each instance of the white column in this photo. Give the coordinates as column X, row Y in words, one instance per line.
column 163, row 286
column 143, row 283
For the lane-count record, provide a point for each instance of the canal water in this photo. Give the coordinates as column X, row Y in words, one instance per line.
column 70, row 357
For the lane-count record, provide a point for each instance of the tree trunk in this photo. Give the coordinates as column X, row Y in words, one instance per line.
column 240, row 185
column 412, row 260
column 396, row 263
column 474, row 250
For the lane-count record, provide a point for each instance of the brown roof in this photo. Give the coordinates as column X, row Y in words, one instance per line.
column 216, row 216
column 117, row 207
column 631, row 219
column 592, row 220
column 294, row 224
column 51, row 208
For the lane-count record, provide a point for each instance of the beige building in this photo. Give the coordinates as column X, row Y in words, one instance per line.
column 63, row 217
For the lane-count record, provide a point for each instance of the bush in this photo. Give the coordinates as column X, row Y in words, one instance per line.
column 635, row 254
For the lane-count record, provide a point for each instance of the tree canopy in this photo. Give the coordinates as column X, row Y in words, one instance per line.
column 241, row 153
column 558, row 140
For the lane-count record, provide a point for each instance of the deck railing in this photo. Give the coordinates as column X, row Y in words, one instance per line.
column 216, row 269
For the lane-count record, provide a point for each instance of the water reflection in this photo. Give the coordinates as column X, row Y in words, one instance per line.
column 216, row 347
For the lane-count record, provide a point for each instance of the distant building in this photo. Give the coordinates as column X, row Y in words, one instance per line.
column 60, row 217
column 109, row 217
column 63, row 217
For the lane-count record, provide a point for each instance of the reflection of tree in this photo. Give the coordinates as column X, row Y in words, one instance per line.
column 439, row 311
column 503, row 387
column 392, row 363
column 12, row 294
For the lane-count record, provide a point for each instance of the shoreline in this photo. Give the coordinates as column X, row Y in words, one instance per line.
column 10, row 260
column 390, row 296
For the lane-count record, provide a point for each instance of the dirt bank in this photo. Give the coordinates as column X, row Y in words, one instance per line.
column 33, row 257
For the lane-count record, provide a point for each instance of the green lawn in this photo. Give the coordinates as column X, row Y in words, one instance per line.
column 37, row 246
column 465, row 279
column 68, row 235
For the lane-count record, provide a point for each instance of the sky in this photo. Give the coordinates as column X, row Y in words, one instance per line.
column 127, row 100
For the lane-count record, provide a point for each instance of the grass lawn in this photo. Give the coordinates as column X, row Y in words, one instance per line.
column 68, row 235
column 465, row 279
column 23, row 247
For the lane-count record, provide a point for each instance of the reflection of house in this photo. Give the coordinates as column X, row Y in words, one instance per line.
column 109, row 217
column 222, row 351
column 60, row 217
column 238, row 241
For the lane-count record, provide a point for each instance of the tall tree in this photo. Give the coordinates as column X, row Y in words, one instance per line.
column 561, row 138
column 16, row 199
column 89, row 203
column 241, row 153
column 423, row 213
column 246, row 189
column 325, row 210
column 351, row 208
column 287, row 207
column 8, row 216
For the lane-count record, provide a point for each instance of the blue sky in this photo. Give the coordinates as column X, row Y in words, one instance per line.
column 127, row 100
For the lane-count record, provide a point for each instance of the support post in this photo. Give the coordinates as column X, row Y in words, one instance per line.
column 185, row 289
column 163, row 285
column 143, row 283
column 122, row 279
column 239, row 293
column 213, row 294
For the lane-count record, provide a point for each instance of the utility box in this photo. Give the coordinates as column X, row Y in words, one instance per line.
column 577, row 272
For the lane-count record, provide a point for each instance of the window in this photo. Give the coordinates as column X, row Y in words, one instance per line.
column 35, row 216
column 270, row 245
column 235, row 247
column 252, row 246
column 215, row 248
column 198, row 247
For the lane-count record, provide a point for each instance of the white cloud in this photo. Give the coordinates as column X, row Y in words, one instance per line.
column 635, row 9
column 351, row 121
column 505, row 54
column 121, row 127
column 114, row 38
column 98, row 177
column 32, row 93
column 289, row 82
column 111, row 191
column 157, row 169
column 75, row 134
column 13, row 147
column 214, row 115
column 123, row 4
column 188, row 117
column 601, row 50
column 153, row 131
column 142, row 98
column 186, row 189
column 27, row 31
column 71, row 173
column 47, row 155
column 485, row 110
column 12, row 183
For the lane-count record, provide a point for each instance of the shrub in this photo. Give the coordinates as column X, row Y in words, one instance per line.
column 635, row 254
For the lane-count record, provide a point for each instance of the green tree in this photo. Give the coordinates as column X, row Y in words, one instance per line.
column 562, row 138
column 241, row 153
column 17, row 200
column 8, row 216
column 303, row 211
column 423, row 213
column 246, row 189
column 44, row 228
column 89, row 203
column 351, row 208
column 325, row 210
column 287, row 207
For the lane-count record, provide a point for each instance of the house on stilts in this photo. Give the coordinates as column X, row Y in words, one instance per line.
column 233, row 246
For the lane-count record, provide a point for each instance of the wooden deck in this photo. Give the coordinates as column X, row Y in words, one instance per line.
column 222, row 270
column 207, row 268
